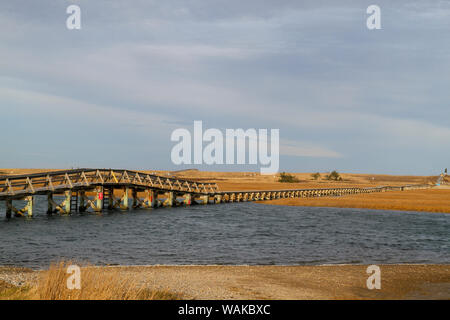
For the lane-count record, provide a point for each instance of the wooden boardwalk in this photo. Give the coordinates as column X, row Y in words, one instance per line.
column 95, row 189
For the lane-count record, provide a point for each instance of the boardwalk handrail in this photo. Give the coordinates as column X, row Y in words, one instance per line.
column 43, row 182
column 72, row 171
column 377, row 188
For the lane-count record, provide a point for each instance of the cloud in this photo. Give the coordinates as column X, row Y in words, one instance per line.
column 35, row 103
column 189, row 52
column 302, row 149
column 309, row 68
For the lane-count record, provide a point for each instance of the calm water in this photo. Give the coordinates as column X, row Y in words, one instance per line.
column 239, row 233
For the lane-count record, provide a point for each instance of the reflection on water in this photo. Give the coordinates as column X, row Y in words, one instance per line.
column 236, row 233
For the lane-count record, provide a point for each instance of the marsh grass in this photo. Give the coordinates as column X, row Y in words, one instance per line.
column 11, row 292
column 96, row 284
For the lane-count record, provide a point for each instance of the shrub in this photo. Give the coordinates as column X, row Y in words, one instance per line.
column 286, row 177
column 316, row 176
column 334, row 175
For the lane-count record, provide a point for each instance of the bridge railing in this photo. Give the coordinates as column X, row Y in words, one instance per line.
column 40, row 183
column 84, row 178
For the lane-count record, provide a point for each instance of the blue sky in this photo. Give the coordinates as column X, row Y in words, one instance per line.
column 110, row 94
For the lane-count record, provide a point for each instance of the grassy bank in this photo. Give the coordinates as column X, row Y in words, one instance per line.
column 429, row 200
column 96, row 284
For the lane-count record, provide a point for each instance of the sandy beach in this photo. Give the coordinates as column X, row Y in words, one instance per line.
column 275, row 282
column 299, row 282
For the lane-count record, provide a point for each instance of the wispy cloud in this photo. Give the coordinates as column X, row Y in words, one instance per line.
column 341, row 95
column 304, row 149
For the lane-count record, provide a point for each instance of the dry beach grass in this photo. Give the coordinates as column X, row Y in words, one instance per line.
column 96, row 284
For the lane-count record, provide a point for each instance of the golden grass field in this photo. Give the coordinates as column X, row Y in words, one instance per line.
column 429, row 200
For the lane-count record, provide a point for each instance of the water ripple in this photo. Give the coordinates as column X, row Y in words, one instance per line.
column 239, row 233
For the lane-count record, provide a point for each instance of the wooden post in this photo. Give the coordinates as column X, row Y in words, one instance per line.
column 148, row 198
column 29, row 207
column 188, row 199
column 49, row 203
column 135, row 196
column 125, row 199
column 99, row 199
column 82, row 205
column 153, row 199
column 111, row 198
column 8, row 208
column 67, row 198
column 170, row 199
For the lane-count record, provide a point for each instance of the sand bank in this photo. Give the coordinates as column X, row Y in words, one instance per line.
column 286, row 282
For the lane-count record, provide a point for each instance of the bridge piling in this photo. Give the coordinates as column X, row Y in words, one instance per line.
column 98, row 205
column 50, row 203
column 187, row 199
column 124, row 199
column 148, row 202
column 134, row 195
column 218, row 199
column 170, row 200
column 110, row 198
column 153, row 198
column 29, row 207
column 82, row 206
column 8, row 208
column 66, row 203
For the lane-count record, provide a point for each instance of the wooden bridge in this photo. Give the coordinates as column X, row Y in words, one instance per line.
column 83, row 189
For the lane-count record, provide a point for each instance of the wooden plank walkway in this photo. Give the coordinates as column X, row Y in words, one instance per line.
column 78, row 185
